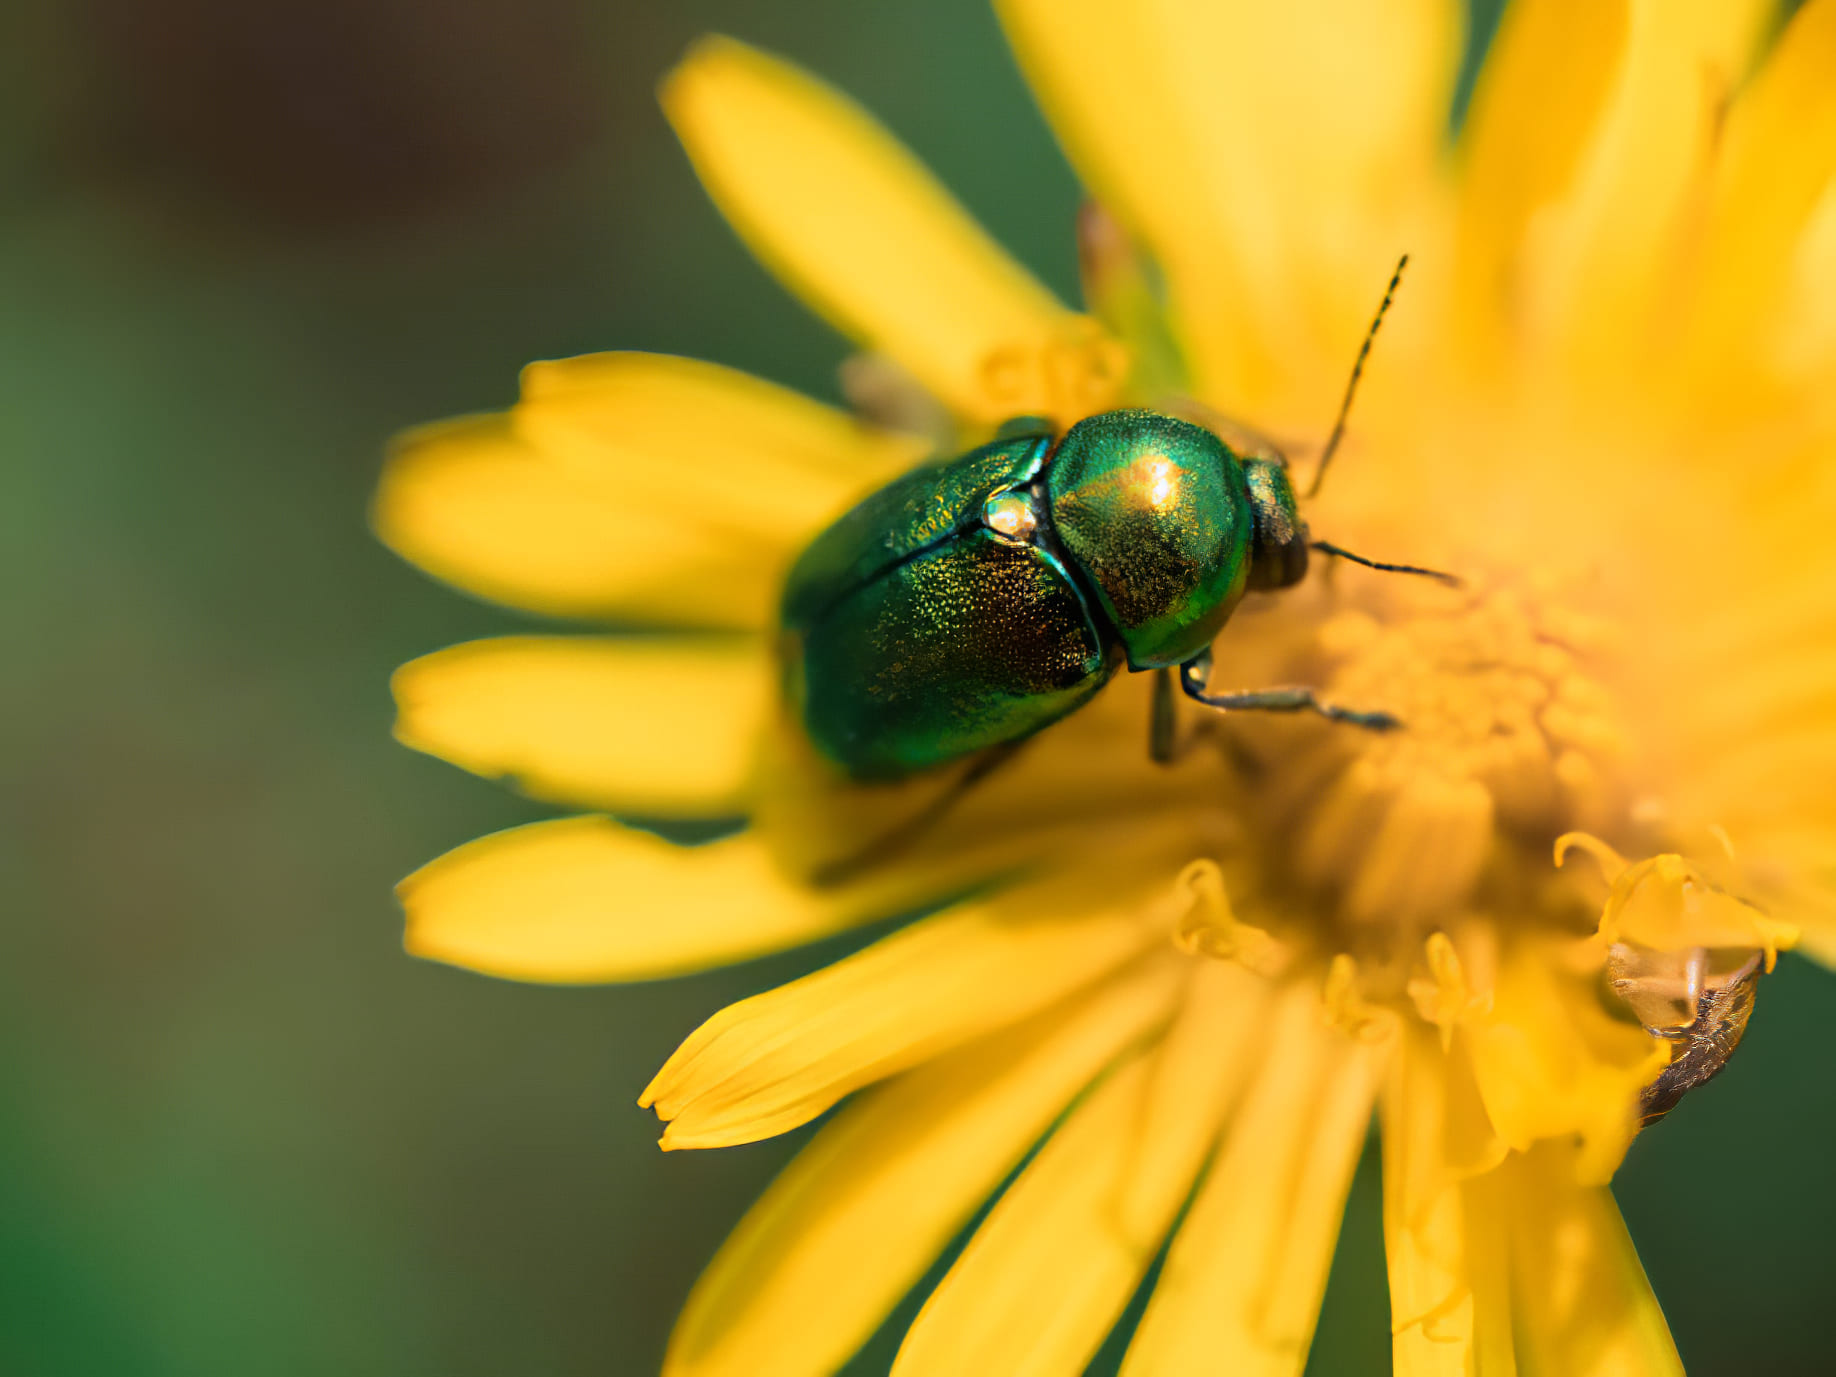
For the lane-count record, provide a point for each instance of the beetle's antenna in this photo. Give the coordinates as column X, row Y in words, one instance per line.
column 1328, row 548
column 1351, row 388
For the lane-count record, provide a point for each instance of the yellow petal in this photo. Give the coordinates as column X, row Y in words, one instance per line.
column 1275, row 215
column 1665, row 904
column 472, row 503
column 673, row 435
column 859, row 1215
column 1820, row 933
column 581, row 900
column 663, row 727
column 1584, row 1306
column 1242, row 1283
column 1805, row 340
column 1443, row 1230
column 1607, row 254
column 1057, row 1259
column 1551, row 1061
column 1101, row 74
column 1534, row 112
column 769, row 1063
column 848, row 218
column 1777, row 159
column 1079, row 56
column 631, row 485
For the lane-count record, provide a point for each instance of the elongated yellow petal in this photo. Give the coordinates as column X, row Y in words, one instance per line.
column 1443, row 1229
column 1585, row 1308
column 769, row 1063
column 1276, row 211
column 1102, row 75
column 1819, row 919
column 1608, row 254
column 631, row 485
column 472, row 503
column 1804, row 343
column 1777, row 160
column 849, row 220
column 1518, row 1264
column 1046, row 1275
column 584, row 899
column 860, row 1214
column 678, row 435
column 1551, row 1061
column 1534, row 113
column 1241, row 1288
column 664, row 726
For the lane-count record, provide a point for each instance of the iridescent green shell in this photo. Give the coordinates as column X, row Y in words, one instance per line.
column 1155, row 513
column 915, row 634
column 914, row 511
column 969, row 604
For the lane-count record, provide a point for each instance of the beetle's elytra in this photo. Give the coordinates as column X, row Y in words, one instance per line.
column 968, row 604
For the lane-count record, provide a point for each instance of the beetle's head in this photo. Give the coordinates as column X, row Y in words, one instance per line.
column 1278, row 546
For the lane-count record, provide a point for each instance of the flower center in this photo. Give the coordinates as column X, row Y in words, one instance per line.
column 1509, row 738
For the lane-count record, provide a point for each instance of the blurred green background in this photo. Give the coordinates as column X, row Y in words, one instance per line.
column 240, row 1132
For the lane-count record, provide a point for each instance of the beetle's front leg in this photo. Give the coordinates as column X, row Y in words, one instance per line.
column 1194, row 672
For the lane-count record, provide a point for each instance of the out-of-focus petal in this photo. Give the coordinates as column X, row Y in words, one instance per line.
column 669, row 434
column 1533, row 117
column 1443, row 1228
column 663, row 726
column 859, row 1215
column 584, row 900
column 1243, row 1280
column 1599, row 271
column 767, row 1064
column 1276, row 159
column 1584, row 1306
column 631, row 485
column 849, row 220
column 1056, row 1261
column 1551, row 1061
column 1777, row 159
column 474, row 504
column 1803, row 344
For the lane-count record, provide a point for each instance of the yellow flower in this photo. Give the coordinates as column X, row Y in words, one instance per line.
column 1603, row 399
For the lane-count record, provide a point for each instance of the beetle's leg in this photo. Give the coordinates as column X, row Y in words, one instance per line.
column 1162, row 722
column 901, row 835
column 1193, row 673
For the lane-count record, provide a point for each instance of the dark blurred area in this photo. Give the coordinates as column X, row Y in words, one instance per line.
column 342, row 111
column 240, row 1132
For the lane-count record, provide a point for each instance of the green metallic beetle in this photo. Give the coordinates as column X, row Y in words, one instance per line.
column 969, row 604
